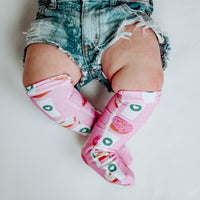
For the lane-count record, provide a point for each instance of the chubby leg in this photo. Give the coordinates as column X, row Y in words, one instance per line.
column 134, row 69
column 49, row 78
column 134, row 63
column 43, row 61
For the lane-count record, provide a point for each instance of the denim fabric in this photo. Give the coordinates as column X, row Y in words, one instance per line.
column 85, row 28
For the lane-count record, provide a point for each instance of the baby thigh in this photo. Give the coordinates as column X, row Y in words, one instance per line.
column 43, row 61
column 134, row 63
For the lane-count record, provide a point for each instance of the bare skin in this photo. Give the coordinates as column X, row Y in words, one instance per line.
column 133, row 64
column 44, row 61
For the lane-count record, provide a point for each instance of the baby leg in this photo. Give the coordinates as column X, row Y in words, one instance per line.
column 55, row 95
column 134, row 69
column 49, row 78
column 124, row 115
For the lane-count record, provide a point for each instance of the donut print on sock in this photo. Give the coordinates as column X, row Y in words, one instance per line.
column 120, row 125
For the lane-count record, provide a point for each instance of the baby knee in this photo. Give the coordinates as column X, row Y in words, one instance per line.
column 130, row 79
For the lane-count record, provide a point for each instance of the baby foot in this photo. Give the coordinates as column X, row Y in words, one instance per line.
column 125, row 155
column 109, row 165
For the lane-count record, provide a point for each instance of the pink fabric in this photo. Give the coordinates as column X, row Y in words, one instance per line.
column 105, row 150
column 124, row 115
column 61, row 102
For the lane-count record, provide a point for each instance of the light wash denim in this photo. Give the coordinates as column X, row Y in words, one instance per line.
column 85, row 28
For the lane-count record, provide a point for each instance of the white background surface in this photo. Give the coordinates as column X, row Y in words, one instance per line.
column 41, row 161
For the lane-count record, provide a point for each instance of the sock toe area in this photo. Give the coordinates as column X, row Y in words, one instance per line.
column 109, row 165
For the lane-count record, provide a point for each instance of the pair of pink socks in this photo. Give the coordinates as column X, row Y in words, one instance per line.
column 105, row 149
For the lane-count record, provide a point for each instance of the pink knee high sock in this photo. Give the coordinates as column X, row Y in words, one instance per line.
column 61, row 102
column 124, row 115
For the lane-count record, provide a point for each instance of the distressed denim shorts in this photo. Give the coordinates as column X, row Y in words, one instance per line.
column 85, row 28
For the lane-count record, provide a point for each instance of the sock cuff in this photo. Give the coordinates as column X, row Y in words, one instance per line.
column 47, row 84
column 139, row 96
